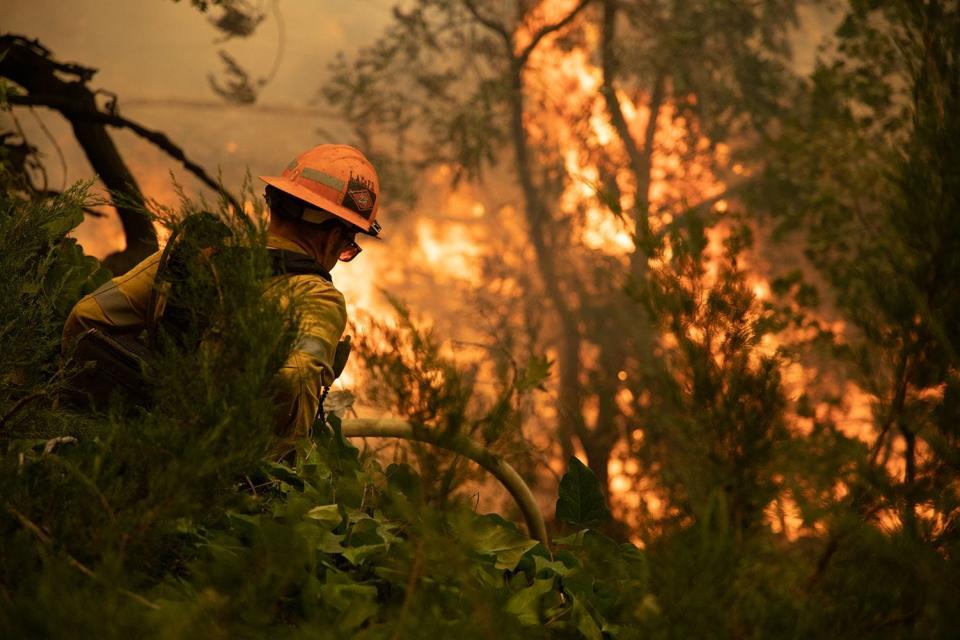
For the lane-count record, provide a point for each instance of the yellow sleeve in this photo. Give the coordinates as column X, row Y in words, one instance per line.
column 119, row 306
column 310, row 366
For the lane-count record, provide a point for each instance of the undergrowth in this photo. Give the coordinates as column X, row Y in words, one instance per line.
column 161, row 517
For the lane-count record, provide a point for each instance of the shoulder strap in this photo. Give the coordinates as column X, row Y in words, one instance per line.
column 294, row 263
column 153, row 316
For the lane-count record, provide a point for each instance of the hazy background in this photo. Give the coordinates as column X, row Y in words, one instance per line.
column 155, row 55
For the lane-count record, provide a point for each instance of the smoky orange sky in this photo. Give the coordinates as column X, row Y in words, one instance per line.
column 156, row 55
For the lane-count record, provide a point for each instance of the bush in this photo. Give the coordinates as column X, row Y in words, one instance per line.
column 166, row 521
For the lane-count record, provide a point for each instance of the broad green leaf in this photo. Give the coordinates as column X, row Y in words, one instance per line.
column 70, row 218
column 359, row 555
column 284, row 474
column 327, row 515
column 545, row 567
column 344, row 448
column 525, row 604
column 330, row 542
column 489, row 576
column 72, row 275
column 365, row 530
column 492, row 535
column 572, row 540
column 315, row 471
column 581, row 502
column 356, row 601
column 367, row 538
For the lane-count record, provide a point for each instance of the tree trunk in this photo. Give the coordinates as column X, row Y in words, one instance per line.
column 571, row 417
column 641, row 158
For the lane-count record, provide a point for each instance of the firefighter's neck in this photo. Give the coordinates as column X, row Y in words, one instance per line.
column 320, row 243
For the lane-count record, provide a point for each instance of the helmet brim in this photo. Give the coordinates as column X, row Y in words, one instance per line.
column 288, row 186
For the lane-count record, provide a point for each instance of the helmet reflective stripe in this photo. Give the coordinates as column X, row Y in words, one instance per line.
column 322, row 178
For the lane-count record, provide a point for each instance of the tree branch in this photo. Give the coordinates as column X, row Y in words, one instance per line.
column 490, row 24
column 901, row 378
column 641, row 158
column 547, row 30
column 157, row 138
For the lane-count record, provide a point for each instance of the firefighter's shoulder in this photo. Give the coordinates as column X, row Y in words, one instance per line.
column 319, row 301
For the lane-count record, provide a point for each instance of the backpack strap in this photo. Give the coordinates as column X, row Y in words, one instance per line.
column 153, row 312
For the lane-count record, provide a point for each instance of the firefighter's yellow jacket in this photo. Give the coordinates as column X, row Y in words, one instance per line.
column 120, row 306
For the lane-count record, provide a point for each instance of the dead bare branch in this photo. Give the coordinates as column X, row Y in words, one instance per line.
column 157, row 138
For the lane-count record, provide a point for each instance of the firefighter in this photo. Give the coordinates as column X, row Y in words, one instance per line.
column 318, row 205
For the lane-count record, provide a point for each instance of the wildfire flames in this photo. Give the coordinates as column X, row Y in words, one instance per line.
column 575, row 121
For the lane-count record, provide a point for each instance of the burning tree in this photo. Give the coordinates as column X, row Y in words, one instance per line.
column 614, row 118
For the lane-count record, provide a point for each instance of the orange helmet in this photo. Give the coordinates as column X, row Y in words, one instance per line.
column 336, row 178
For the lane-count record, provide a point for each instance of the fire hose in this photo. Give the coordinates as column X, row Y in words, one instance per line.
column 501, row 470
